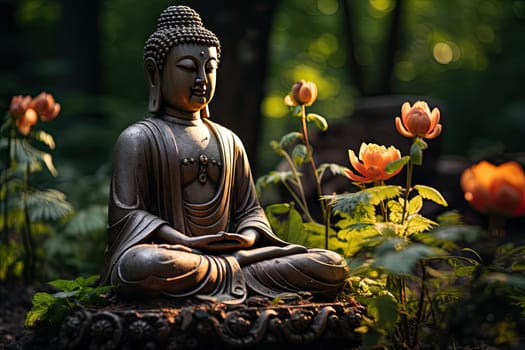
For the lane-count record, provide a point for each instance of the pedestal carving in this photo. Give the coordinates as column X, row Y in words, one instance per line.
column 212, row 326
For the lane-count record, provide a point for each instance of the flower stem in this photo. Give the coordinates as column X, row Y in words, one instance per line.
column 382, row 205
column 327, row 226
column 408, row 188
column 312, row 162
column 421, row 304
column 497, row 227
column 404, row 319
column 29, row 244
column 5, row 182
column 302, row 202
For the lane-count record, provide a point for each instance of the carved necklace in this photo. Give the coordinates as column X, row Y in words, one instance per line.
column 203, row 162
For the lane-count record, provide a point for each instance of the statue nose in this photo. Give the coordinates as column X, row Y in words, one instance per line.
column 200, row 81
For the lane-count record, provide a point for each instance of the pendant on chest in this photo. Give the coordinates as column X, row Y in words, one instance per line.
column 204, row 165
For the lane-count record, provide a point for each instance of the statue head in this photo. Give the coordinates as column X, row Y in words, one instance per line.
column 180, row 33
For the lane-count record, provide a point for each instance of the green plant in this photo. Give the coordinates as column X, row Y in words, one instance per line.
column 51, row 309
column 297, row 151
column 413, row 273
column 26, row 209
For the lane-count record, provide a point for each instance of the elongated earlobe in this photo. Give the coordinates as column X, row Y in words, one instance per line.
column 153, row 80
column 205, row 112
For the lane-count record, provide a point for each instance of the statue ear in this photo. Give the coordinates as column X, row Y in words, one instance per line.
column 153, row 79
column 205, row 112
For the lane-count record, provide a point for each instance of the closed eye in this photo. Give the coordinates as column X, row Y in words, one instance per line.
column 187, row 65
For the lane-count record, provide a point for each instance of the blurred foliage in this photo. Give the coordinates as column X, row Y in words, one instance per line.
column 422, row 283
column 459, row 52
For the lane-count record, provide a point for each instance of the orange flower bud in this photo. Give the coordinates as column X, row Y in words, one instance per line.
column 19, row 105
column 374, row 159
column 46, row 106
column 418, row 121
column 302, row 93
column 495, row 189
column 28, row 119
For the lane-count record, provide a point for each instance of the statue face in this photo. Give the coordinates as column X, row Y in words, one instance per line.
column 188, row 77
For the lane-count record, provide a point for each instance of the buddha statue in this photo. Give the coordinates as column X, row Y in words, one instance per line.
column 184, row 219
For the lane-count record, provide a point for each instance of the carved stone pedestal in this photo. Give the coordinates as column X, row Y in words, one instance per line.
column 210, row 325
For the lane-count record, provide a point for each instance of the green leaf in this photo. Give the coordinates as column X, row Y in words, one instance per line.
column 87, row 281
column 396, row 164
column 431, row 193
column 358, row 240
column 44, row 137
column 395, row 211
column 402, row 261
column 416, row 154
column 383, row 310
column 278, row 209
column 505, row 278
column 48, row 205
column 414, row 205
column 299, row 155
column 318, row 120
column 65, row 285
column 64, row 295
column 421, row 143
column 273, row 177
column 41, row 304
column 87, row 221
column 417, row 224
column 25, row 153
column 355, row 205
column 276, row 146
column 296, row 111
column 347, row 202
column 450, row 217
column 335, row 169
column 287, row 223
column 458, row 233
column 316, row 235
column 289, row 139
column 378, row 194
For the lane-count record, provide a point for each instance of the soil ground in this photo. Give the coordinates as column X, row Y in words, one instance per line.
column 15, row 301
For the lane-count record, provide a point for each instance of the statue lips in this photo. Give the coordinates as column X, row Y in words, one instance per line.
column 199, row 92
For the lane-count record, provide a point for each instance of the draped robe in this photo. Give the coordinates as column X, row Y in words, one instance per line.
column 146, row 192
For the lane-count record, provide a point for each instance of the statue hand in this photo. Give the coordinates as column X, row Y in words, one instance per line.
column 245, row 257
column 216, row 242
column 221, row 241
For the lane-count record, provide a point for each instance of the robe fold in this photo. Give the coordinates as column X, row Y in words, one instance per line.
column 146, row 192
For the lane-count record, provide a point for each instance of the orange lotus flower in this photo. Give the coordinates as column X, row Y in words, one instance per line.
column 46, row 106
column 374, row 159
column 417, row 120
column 495, row 189
column 19, row 105
column 302, row 93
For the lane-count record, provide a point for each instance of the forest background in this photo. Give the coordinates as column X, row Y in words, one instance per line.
column 367, row 57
